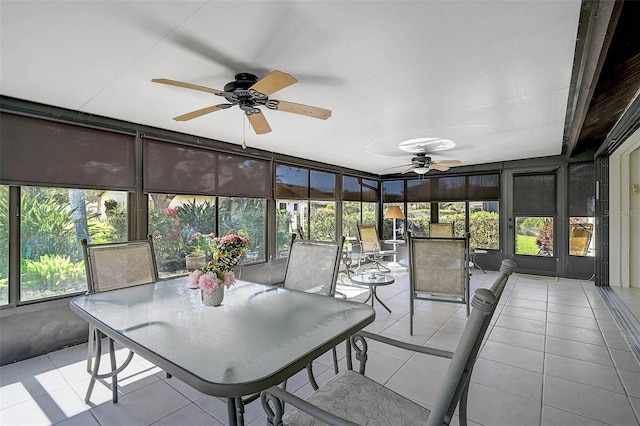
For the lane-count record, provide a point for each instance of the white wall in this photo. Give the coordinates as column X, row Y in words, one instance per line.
column 624, row 214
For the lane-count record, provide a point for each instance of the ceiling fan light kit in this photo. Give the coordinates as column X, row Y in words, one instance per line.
column 249, row 93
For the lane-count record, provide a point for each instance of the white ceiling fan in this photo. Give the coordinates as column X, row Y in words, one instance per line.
column 421, row 164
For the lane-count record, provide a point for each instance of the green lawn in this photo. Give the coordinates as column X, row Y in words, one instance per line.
column 526, row 244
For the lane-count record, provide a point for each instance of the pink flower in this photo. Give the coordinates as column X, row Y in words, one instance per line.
column 193, row 279
column 229, row 278
column 209, row 282
column 172, row 210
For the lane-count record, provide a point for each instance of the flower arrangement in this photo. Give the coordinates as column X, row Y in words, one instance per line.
column 219, row 271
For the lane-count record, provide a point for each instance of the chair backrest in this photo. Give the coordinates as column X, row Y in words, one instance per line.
column 438, row 265
column 579, row 238
column 444, row 230
column 368, row 235
column 456, row 380
column 313, row 266
column 116, row 265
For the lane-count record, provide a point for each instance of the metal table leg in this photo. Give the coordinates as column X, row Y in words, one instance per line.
column 375, row 296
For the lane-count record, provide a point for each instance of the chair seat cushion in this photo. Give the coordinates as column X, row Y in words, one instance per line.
column 361, row 400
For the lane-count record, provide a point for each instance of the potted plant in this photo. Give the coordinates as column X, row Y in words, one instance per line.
column 200, row 246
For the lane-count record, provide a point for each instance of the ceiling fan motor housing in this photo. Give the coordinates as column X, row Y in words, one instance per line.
column 421, row 160
column 238, row 92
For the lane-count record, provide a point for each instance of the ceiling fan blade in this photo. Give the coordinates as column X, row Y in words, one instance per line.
column 258, row 121
column 410, row 169
column 449, row 162
column 199, row 113
column 397, row 167
column 309, row 111
column 439, row 167
column 274, row 81
column 187, row 85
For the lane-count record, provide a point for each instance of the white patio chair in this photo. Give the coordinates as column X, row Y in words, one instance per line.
column 108, row 267
column 351, row 398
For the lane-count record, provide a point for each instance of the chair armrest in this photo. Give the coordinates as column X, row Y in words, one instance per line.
column 429, row 350
column 365, row 249
column 277, row 397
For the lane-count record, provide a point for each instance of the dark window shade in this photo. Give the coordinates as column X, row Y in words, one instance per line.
column 534, row 194
column 582, row 193
column 243, row 176
column 418, row 190
column 449, row 188
column 453, row 188
column 180, row 169
column 351, row 189
column 370, row 190
column 393, row 191
column 484, row 187
column 322, row 185
column 42, row 152
column 292, row 182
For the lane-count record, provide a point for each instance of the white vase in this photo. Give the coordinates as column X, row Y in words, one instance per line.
column 212, row 298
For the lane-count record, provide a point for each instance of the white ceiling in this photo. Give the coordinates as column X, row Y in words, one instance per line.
column 493, row 76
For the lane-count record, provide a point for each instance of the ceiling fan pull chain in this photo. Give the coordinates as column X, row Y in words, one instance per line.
column 244, row 131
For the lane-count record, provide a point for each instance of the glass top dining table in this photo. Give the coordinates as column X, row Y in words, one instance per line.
column 260, row 335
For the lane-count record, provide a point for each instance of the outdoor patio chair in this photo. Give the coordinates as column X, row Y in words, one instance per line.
column 351, row 398
column 371, row 248
column 438, row 270
column 441, row 230
column 108, row 267
column 313, row 267
column 579, row 238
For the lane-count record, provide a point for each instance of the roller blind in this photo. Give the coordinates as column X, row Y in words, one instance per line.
column 485, row 187
column 41, row 152
column 182, row 169
column 534, row 194
column 360, row 189
column 582, row 194
column 393, row 191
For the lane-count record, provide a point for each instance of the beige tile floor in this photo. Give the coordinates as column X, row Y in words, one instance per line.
column 553, row 356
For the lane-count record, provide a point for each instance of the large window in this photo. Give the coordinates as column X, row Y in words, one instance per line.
column 305, row 205
column 291, row 218
column 247, row 217
column 52, row 223
column 484, row 224
column 322, row 220
column 181, row 227
column 418, row 218
column 534, row 236
column 4, row 244
column 392, row 228
column 351, row 218
column 453, row 212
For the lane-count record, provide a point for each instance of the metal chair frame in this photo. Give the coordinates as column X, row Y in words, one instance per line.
column 130, row 258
